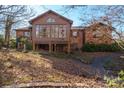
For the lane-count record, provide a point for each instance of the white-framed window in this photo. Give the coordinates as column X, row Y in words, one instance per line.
column 42, row 31
column 50, row 20
column 37, row 29
column 63, row 31
column 97, row 34
column 56, row 31
column 75, row 33
column 48, row 31
column 53, row 31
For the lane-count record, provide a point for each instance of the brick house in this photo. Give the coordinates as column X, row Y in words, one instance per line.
column 53, row 32
column 98, row 33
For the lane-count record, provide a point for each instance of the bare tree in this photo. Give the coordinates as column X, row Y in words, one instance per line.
column 4, row 7
column 13, row 16
column 114, row 18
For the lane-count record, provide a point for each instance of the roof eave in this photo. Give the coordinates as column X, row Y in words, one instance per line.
column 70, row 21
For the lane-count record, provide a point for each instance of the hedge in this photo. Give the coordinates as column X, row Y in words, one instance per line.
column 101, row 47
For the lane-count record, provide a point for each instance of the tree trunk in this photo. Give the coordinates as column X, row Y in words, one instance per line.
column 7, row 38
column 8, row 26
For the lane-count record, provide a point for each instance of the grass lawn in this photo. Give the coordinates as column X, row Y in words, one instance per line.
column 17, row 67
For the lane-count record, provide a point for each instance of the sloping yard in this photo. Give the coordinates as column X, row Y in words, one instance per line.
column 22, row 68
column 37, row 69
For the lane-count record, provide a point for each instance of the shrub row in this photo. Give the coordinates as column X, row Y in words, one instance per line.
column 100, row 47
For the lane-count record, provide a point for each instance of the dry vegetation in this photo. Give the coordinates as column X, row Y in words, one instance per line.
column 17, row 67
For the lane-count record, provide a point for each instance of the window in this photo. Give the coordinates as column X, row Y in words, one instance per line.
column 27, row 34
column 50, row 20
column 75, row 33
column 64, row 31
column 56, row 31
column 60, row 31
column 42, row 31
column 97, row 34
column 48, row 31
column 53, row 31
column 37, row 28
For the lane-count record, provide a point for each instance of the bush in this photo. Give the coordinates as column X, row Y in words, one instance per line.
column 13, row 43
column 100, row 47
column 116, row 82
column 29, row 45
column 24, row 40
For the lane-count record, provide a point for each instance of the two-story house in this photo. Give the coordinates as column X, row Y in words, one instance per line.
column 53, row 32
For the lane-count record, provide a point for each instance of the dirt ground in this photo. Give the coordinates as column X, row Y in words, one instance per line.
column 17, row 67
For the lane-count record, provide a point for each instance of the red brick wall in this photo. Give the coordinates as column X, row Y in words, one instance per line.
column 78, row 40
column 20, row 33
column 104, row 38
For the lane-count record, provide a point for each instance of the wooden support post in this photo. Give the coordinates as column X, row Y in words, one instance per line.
column 69, row 48
column 69, row 45
column 54, row 47
column 36, row 46
column 33, row 46
column 50, row 47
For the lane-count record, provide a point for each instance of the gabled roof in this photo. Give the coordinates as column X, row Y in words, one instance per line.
column 50, row 11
